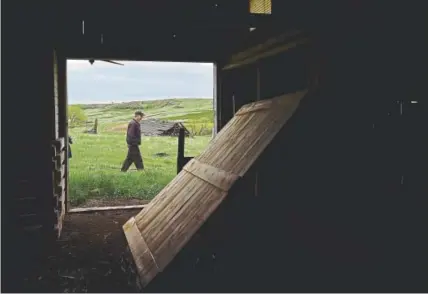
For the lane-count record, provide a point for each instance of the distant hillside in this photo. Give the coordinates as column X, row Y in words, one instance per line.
column 146, row 104
column 196, row 114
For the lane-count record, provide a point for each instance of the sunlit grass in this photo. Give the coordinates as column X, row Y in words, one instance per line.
column 95, row 166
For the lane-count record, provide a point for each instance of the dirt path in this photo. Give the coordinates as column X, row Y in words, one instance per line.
column 88, row 256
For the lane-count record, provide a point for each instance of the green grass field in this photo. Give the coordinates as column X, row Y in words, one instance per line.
column 95, row 166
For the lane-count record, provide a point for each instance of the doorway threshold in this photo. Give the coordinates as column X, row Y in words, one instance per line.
column 106, row 208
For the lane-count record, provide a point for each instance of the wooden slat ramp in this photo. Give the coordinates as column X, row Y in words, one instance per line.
column 161, row 230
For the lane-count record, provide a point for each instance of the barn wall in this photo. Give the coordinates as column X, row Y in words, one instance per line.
column 329, row 186
column 28, row 103
column 334, row 175
column 331, row 199
column 331, row 211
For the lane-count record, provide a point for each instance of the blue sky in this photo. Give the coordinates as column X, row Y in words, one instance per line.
column 104, row 82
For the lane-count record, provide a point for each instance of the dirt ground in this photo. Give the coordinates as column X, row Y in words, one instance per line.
column 88, row 256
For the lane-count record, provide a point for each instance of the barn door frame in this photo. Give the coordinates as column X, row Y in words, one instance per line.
column 216, row 88
column 61, row 124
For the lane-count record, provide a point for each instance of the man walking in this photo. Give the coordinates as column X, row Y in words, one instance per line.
column 133, row 139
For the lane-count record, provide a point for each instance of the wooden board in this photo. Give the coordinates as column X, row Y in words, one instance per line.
column 106, row 208
column 166, row 224
column 59, row 144
column 212, row 175
column 59, row 160
column 271, row 47
column 59, row 174
column 60, row 187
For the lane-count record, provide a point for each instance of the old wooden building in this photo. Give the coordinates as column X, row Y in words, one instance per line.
column 335, row 202
column 155, row 127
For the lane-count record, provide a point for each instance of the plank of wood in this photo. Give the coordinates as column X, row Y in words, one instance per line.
column 267, row 53
column 62, row 143
column 92, row 209
column 268, row 44
column 162, row 200
column 210, row 174
column 59, row 174
column 62, row 197
column 60, row 187
column 59, row 160
column 180, row 209
column 140, row 251
column 53, row 151
column 182, row 233
column 59, row 144
column 255, row 107
column 62, row 157
column 251, row 133
column 61, row 216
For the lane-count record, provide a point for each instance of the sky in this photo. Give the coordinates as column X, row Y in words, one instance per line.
column 104, row 82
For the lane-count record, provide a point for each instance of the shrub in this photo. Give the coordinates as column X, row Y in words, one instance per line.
column 76, row 116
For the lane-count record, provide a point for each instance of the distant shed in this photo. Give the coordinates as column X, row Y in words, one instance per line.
column 154, row 127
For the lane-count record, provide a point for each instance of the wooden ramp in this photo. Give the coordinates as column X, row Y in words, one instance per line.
column 163, row 228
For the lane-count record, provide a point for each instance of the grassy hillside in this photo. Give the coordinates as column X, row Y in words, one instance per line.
column 195, row 113
column 95, row 165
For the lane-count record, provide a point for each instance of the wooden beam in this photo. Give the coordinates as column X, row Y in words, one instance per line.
column 180, row 151
column 212, row 175
column 63, row 118
column 197, row 45
column 268, row 48
column 106, row 208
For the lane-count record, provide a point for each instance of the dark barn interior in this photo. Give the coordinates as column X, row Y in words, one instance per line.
column 335, row 203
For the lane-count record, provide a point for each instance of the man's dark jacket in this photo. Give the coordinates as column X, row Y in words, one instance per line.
column 133, row 136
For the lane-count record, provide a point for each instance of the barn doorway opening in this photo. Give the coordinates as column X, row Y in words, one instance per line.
column 103, row 97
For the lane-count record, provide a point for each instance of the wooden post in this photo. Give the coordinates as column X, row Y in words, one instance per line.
column 215, row 99
column 96, row 126
column 256, row 178
column 63, row 116
column 180, row 153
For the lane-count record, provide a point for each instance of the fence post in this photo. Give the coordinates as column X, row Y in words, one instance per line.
column 180, row 153
column 96, row 126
